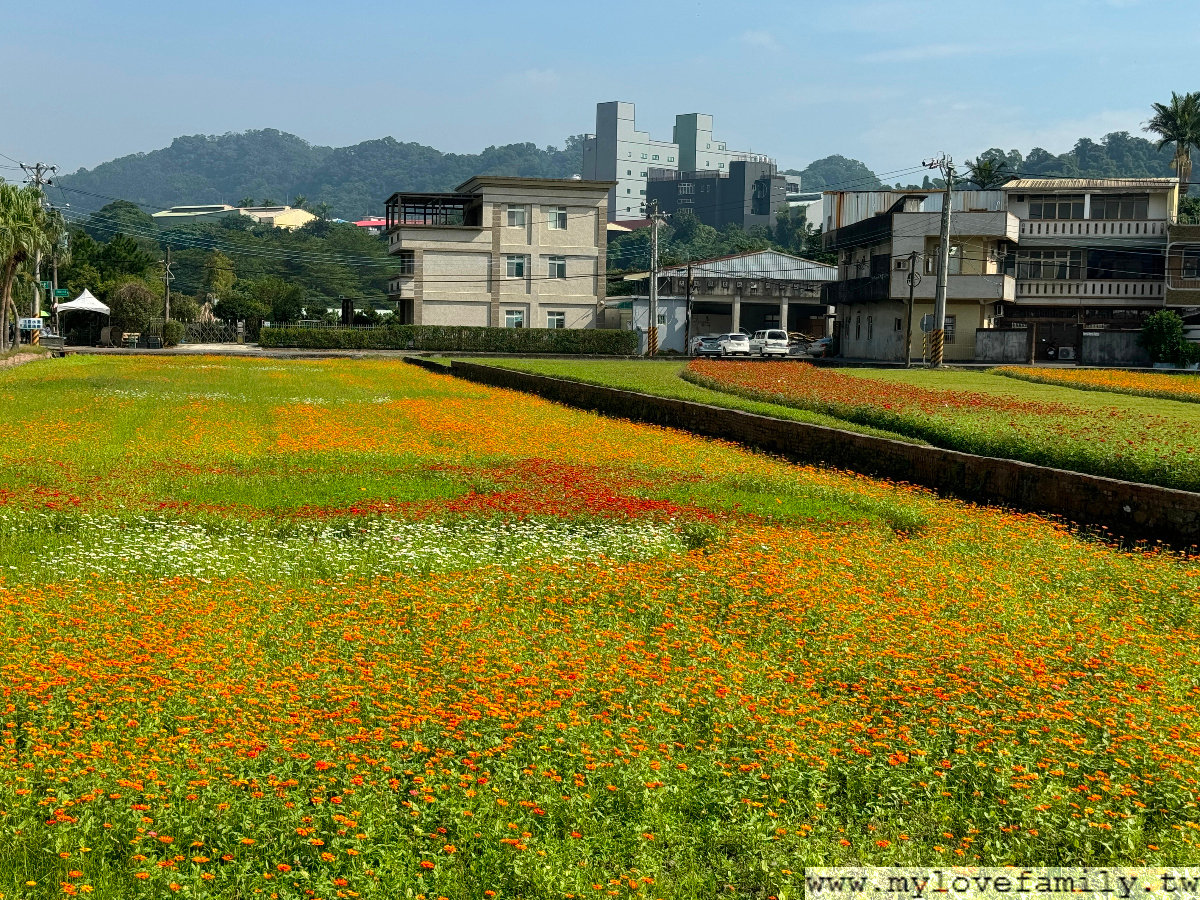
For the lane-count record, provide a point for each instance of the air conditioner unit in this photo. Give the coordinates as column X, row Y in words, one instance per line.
column 1066, row 352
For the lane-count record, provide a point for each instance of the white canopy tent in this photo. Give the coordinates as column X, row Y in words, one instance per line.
column 85, row 302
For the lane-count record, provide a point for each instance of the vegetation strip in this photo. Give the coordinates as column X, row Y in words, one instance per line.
column 1185, row 388
column 1122, row 443
column 1126, row 509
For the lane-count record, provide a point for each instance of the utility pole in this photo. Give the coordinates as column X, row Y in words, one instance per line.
column 687, row 318
column 652, row 330
column 167, row 278
column 938, row 337
column 37, row 174
column 914, row 279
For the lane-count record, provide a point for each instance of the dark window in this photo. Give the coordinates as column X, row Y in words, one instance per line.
column 408, row 262
column 1126, row 265
column 1120, row 206
column 1055, row 206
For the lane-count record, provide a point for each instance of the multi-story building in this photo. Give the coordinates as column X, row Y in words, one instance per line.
column 1054, row 263
column 880, row 235
column 1092, row 256
column 619, row 152
column 748, row 194
column 501, row 251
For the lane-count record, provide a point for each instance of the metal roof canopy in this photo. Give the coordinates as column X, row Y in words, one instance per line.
column 766, row 264
column 1089, row 184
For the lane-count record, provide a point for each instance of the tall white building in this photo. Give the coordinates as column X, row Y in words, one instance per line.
column 619, row 152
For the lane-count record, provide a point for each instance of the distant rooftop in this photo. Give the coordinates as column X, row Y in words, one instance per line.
column 1089, row 184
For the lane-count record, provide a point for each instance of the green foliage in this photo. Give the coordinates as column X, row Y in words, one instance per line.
column 240, row 306
column 184, row 308
column 1177, row 125
column 452, row 339
column 989, row 173
column 838, row 173
column 173, row 332
column 284, row 300
column 1163, row 337
column 133, row 304
column 347, row 182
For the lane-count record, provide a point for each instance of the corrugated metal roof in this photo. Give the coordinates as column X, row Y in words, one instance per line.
column 761, row 264
column 1084, row 184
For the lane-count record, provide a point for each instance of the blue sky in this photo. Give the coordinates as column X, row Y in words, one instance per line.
column 885, row 81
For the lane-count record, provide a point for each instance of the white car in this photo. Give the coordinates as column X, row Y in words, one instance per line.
column 731, row 344
column 771, row 342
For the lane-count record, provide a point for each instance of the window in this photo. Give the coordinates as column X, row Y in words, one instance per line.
column 662, row 317
column 1120, row 206
column 708, row 146
column 1054, row 206
column 556, row 218
column 516, row 216
column 629, row 171
column 1039, row 265
column 870, row 327
column 949, row 329
column 643, row 174
column 686, row 187
column 408, row 262
column 643, row 156
column 655, row 156
column 556, row 320
column 858, row 327
column 514, row 318
column 557, row 267
column 642, row 192
column 720, row 165
column 955, row 267
column 1190, row 265
column 670, row 159
column 514, row 266
column 899, row 324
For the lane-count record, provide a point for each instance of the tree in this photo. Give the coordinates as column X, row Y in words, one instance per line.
column 284, row 299
column 988, row 173
column 1164, row 339
column 239, row 306
column 1178, row 123
column 133, row 304
column 245, row 202
column 300, row 201
column 218, row 275
column 26, row 229
column 838, row 173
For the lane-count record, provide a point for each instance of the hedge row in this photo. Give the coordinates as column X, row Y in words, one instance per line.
column 456, row 339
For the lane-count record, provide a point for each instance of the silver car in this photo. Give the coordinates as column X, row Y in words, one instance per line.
column 770, row 342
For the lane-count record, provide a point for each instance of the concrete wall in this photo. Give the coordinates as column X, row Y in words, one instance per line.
column 1127, row 510
column 1113, row 348
column 995, row 345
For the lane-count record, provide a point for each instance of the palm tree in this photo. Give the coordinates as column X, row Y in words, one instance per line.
column 989, row 173
column 1178, row 123
column 300, row 201
column 26, row 229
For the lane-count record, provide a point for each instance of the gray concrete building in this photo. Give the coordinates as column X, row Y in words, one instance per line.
column 749, row 194
column 618, row 152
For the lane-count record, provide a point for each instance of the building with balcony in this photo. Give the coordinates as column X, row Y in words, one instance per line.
column 500, row 251
column 618, row 152
column 1092, row 256
column 748, row 194
column 883, row 236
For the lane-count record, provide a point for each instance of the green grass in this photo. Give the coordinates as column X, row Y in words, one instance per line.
column 662, row 378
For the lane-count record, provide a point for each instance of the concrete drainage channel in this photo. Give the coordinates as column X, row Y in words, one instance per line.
column 1125, row 509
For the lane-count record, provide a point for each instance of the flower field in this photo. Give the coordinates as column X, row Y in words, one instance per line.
column 1156, row 447
column 353, row 629
column 1119, row 381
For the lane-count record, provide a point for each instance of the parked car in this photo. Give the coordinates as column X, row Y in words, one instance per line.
column 820, row 347
column 706, row 345
column 770, row 342
column 734, row 343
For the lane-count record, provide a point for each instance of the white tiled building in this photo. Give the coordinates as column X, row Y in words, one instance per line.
column 501, row 251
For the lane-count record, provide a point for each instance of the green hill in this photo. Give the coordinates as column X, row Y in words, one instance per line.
column 273, row 165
